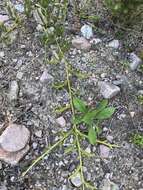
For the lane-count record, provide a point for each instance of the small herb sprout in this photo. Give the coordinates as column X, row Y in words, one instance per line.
column 137, row 139
column 92, row 117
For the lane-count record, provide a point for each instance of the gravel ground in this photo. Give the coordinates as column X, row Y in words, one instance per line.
column 36, row 101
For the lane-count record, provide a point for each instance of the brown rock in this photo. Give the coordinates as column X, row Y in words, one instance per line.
column 13, row 157
column 81, row 43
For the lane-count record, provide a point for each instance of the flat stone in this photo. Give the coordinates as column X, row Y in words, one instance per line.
column 13, row 157
column 104, row 151
column 61, row 121
column 81, row 43
column 114, row 44
column 86, row 31
column 76, row 180
column 13, row 92
column 135, row 61
column 14, row 138
column 108, row 90
column 46, row 77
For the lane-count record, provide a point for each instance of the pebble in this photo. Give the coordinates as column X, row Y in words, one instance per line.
column 34, row 145
column 19, row 8
column 19, row 75
column 135, row 61
column 76, row 180
column 61, row 121
column 38, row 133
column 104, row 151
column 86, row 31
column 14, row 138
column 108, row 185
column 132, row 114
column 45, row 77
column 114, row 44
column 3, row 18
column 2, row 54
column 108, row 90
column 81, row 43
column 0, row 165
column 13, row 92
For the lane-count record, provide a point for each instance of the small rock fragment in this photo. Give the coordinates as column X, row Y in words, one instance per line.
column 86, row 31
column 95, row 41
column 19, row 8
column 46, row 77
column 38, row 133
column 81, row 43
column 13, row 92
column 104, row 151
column 14, row 138
column 76, row 180
column 3, row 18
column 114, row 44
column 19, row 75
column 135, row 61
column 108, row 185
column 61, row 121
column 0, row 165
column 2, row 54
column 108, row 90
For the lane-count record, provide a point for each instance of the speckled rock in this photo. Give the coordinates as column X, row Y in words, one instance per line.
column 76, row 180
column 135, row 61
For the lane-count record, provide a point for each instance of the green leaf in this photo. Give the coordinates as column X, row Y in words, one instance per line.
column 92, row 136
column 77, row 120
column 102, row 105
column 105, row 113
column 89, row 117
column 79, row 105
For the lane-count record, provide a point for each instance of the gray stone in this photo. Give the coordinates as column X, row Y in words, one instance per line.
column 38, row 133
column 61, row 121
column 86, row 31
column 14, row 138
column 13, row 92
column 1, row 54
column 45, row 77
column 108, row 90
column 0, row 165
column 104, row 151
column 76, row 180
column 114, row 44
column 108, row 185
column 34, row 145
column 135, row 61
column 81, row 43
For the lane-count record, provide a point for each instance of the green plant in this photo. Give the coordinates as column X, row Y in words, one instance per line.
column 92, row 117
column 140, row 99
column 89, row 116
column 137, row 139
column 125, row 10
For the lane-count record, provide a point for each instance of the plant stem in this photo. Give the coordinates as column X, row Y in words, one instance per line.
column 46, row 153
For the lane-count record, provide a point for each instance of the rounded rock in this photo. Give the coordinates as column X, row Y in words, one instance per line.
column 14, row 138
